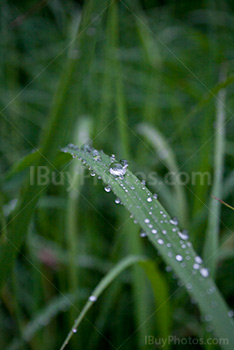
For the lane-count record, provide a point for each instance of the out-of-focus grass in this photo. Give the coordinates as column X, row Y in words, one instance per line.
column 115, row 68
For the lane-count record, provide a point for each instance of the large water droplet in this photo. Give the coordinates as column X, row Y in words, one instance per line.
column 117, row 169
column 149, row 199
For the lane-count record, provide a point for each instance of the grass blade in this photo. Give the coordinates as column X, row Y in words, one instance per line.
column 211, row 240
column 167, row 238
column 162, row 147
column 104, row 283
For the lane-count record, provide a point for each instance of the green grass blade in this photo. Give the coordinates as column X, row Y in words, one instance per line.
column 104, row 283
column 162, row 148
column 211, row 239
column 161, row 297
column 176, row 252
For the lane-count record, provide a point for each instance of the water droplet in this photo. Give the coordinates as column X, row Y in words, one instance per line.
column 196, row 266
column 198, row 259
column 164, row 232
column 113, row 157
column 117, row 201
column 146, row 221
column 149, row 199
column 96, row 155
column 93, row 173
column 154, row 231
column 107, row 188
column 86, row 148
column 74, row 330
column 204, row 272
column 143, row 234
column 231, row 313
column 168, row 268
column 174, row 221
column 117, row 169
column 160, row 241
column 183, row 235
column 179, row 257
column 92, row 298
column 155, row 196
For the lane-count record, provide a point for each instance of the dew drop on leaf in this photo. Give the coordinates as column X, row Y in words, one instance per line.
column 204, row 272
column 117, row 169
column 92, row 298
column 179, row 257
column 107, row 188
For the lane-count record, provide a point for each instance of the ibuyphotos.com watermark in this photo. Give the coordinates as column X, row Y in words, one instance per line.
column 42, row 175
column 173, row 340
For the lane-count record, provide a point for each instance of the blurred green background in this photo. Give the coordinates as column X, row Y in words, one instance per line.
column 94, row 72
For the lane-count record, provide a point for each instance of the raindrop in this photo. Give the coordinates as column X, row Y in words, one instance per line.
column 74, row 330
column 112, row 158
column 179, row 257
column 196, row 266
column 117, row 201
column 149, row 199
column 86, row 148
column 183, row 235
column 198, row 259
column 93, row 173
column 160, row 241
column 174, row 221
column 143, row 234
column 231, row 313
column 118, row 169
column 164, row 232
column 107, row 188
column 154, row 231
column 146, row 221
column 92, row 298
column 204, row 272
column 155, row 196
column 168, row 268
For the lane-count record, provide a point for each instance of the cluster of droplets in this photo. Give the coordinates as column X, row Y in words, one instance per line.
column 118, row 171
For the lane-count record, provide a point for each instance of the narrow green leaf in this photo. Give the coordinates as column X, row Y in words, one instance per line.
column 211, row 241
column 104, row 283
column 165, row 236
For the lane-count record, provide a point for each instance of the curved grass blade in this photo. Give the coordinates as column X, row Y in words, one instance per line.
column 163, row 232
column 104, row 283
column 163, row 148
